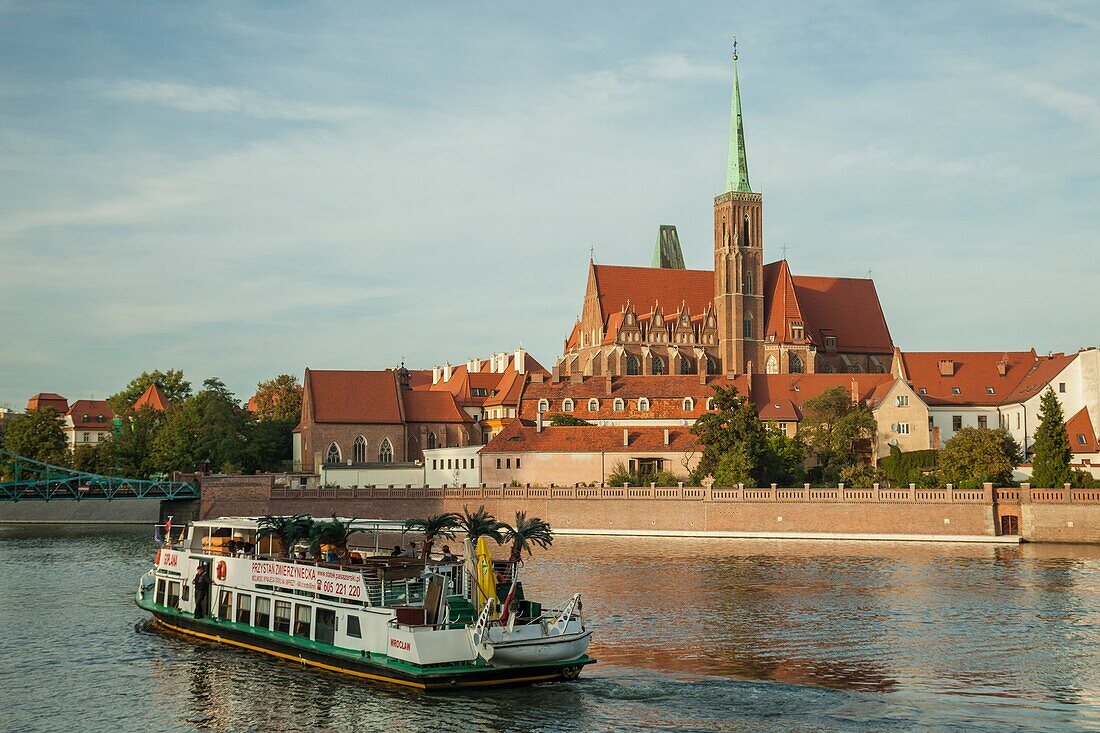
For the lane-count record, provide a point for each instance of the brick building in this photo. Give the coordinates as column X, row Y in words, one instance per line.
column 743, row 316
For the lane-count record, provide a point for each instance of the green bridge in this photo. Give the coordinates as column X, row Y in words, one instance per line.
column 24, row 479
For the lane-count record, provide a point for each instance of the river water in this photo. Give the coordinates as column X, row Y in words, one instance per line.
column 692, row 635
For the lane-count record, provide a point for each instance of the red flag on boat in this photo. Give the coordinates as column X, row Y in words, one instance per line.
column 506, row 607
column 168, row 526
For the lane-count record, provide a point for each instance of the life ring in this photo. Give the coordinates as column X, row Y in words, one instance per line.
column 220, row 570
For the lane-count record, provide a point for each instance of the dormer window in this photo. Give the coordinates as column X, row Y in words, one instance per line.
column 922, row 390
column 593, row 405
column 567, row 405
column 643, row 404
column 1081, row 439
column 798, row 332
column 710, row 403
column 830, row 343
column 956, row 390
column 689, row 404
column 84, row 417
column 618, row 405
column 544, row 405
column 99, row 418
column 990, row 390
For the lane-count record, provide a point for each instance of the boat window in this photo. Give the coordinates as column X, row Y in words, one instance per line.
column 303, row 614
column 353, row 626
column 282, row 616
column 173, row 594
column 244, row 608
column 263, row 612
column 160, row 591
column 225, row 604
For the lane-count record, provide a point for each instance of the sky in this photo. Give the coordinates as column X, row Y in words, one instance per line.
column 247, row 189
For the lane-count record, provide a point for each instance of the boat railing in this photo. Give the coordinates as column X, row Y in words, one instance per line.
column 483, row 620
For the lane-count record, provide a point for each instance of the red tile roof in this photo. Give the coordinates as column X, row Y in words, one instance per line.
column 346, row 396
column 87, row 414
column 507, row 390
column 432, row 407
column 780, row 302
column 780, row 397
column 521, row 436
column 463, row 383
column 154, row 398
column 846, row 307
column 44, row 400
column 644, row 286
column 974, row 372
column 1043, row 372
column 1082, row 436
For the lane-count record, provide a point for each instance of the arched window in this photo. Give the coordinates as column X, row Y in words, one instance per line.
column 795, row 363
column 827, row 368
column 710, row 403
column 385, row 451
column 687, row 366
column 771, row 366
column 712, row 365
column 412, row 449
column 431, row 440
column 333, row 454
column 689, row 404
column 359, row 450
column 618, row 405
column 544, row 405
column 643, row 404
column 567, row 405
column 659, row 365
column 593, row 405
column 855, row 369
column 633, row 366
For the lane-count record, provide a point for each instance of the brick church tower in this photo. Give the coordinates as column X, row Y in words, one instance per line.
column 739, row 256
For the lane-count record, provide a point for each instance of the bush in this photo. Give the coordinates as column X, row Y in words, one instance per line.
column 558, row 420
column 861, row 476
column 902, row 469
column 1080, row 479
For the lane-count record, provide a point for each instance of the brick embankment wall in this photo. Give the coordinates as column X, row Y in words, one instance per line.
column 1053, row 515
column 644, row 509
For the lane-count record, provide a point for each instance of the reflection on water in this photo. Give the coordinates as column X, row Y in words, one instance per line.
column 691, row 635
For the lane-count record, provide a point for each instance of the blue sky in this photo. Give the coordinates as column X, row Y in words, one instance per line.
column 245, row 189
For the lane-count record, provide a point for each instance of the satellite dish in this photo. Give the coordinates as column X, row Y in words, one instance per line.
column 893, row 441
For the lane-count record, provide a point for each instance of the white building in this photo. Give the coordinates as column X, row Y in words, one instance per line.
column 458, row 466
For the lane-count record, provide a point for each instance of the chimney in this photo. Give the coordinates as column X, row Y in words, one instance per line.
column 1002, row 367
column 538, row 422
column 626, row 436
column 947, row 368
column 436, row 374
column 471, row 366
column 667, row 441
column 447, row 372
column 520, row 363
column 555, row 375
column 576, row 378
column 855, row 391
column 492, row 365
column 607, row 385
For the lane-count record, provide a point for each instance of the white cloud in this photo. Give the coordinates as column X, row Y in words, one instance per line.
column 1076, row 106
column 228, row 100
column 677, row 67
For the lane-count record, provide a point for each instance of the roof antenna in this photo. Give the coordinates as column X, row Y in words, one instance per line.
column 784, row 248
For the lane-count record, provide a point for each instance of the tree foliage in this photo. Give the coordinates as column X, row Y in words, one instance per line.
column 527, row 532
column 171, row 383
column 333, row 533
column 832, row 425
column 1050, row 462
column 560, row 420
column 287, row 529
column 433, row 526
column 279, row 399
column 974, row 456
column 37, row 434
column 480, row 523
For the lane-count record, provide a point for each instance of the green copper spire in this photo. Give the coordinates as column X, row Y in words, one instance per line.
column 667, row 252
column 737, row 168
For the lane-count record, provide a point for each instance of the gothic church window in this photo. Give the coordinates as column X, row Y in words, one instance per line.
column 385, row 451
column 827, row 368
column 431, row 440
column 795, row 364
column 333, row 454
column 855, row 369
column 659, row 365
column 712, row 365
column 359, row 450
column 633, row 366
column 687, row 366
column 771, row 366
column 746, row 328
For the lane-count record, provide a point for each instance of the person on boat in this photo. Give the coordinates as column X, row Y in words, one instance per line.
column 411, row 552
column 448, row 556
column 202, row 590
column 396, row 551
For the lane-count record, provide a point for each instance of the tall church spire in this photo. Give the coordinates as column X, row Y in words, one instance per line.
column 737, row 168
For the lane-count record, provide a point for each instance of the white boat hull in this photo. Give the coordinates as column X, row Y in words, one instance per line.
column 513, row 652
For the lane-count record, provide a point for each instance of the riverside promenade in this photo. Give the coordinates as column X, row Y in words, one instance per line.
column 988, row 514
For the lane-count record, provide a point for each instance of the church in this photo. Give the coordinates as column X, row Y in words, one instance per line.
column 742, row 317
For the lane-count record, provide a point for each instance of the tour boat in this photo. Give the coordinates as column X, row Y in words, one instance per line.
column 397, row 620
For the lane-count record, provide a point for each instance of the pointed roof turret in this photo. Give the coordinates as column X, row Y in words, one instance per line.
column 737, row 166
column 667, row 253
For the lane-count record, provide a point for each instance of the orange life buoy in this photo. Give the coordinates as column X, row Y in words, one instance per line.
column 221, row 570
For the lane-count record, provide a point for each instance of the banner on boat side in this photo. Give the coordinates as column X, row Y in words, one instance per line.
column 169, row 559
column 311, row 578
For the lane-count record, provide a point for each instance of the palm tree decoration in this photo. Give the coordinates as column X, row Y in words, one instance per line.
column 287, row 530
column 434, row 527
column 335, row 533
column 480, row 524
column 527, row 533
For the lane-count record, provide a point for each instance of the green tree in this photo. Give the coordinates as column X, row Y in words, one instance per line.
column 1050, row 462
column 286, row 529
column 433, row 526
column 832, row 425
column 560, row 420
column 480, row 524
column 335, row 533
column 129, row 452
column 210, row 426
column 734, row 467
column 89, row 458
column 861, row 476
column 171, row 383
column 37, row 435
column 527, row 533
column 783, row 459
column 733, row 427
column 269, row 445
column 976, row 455
column 279, row 399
